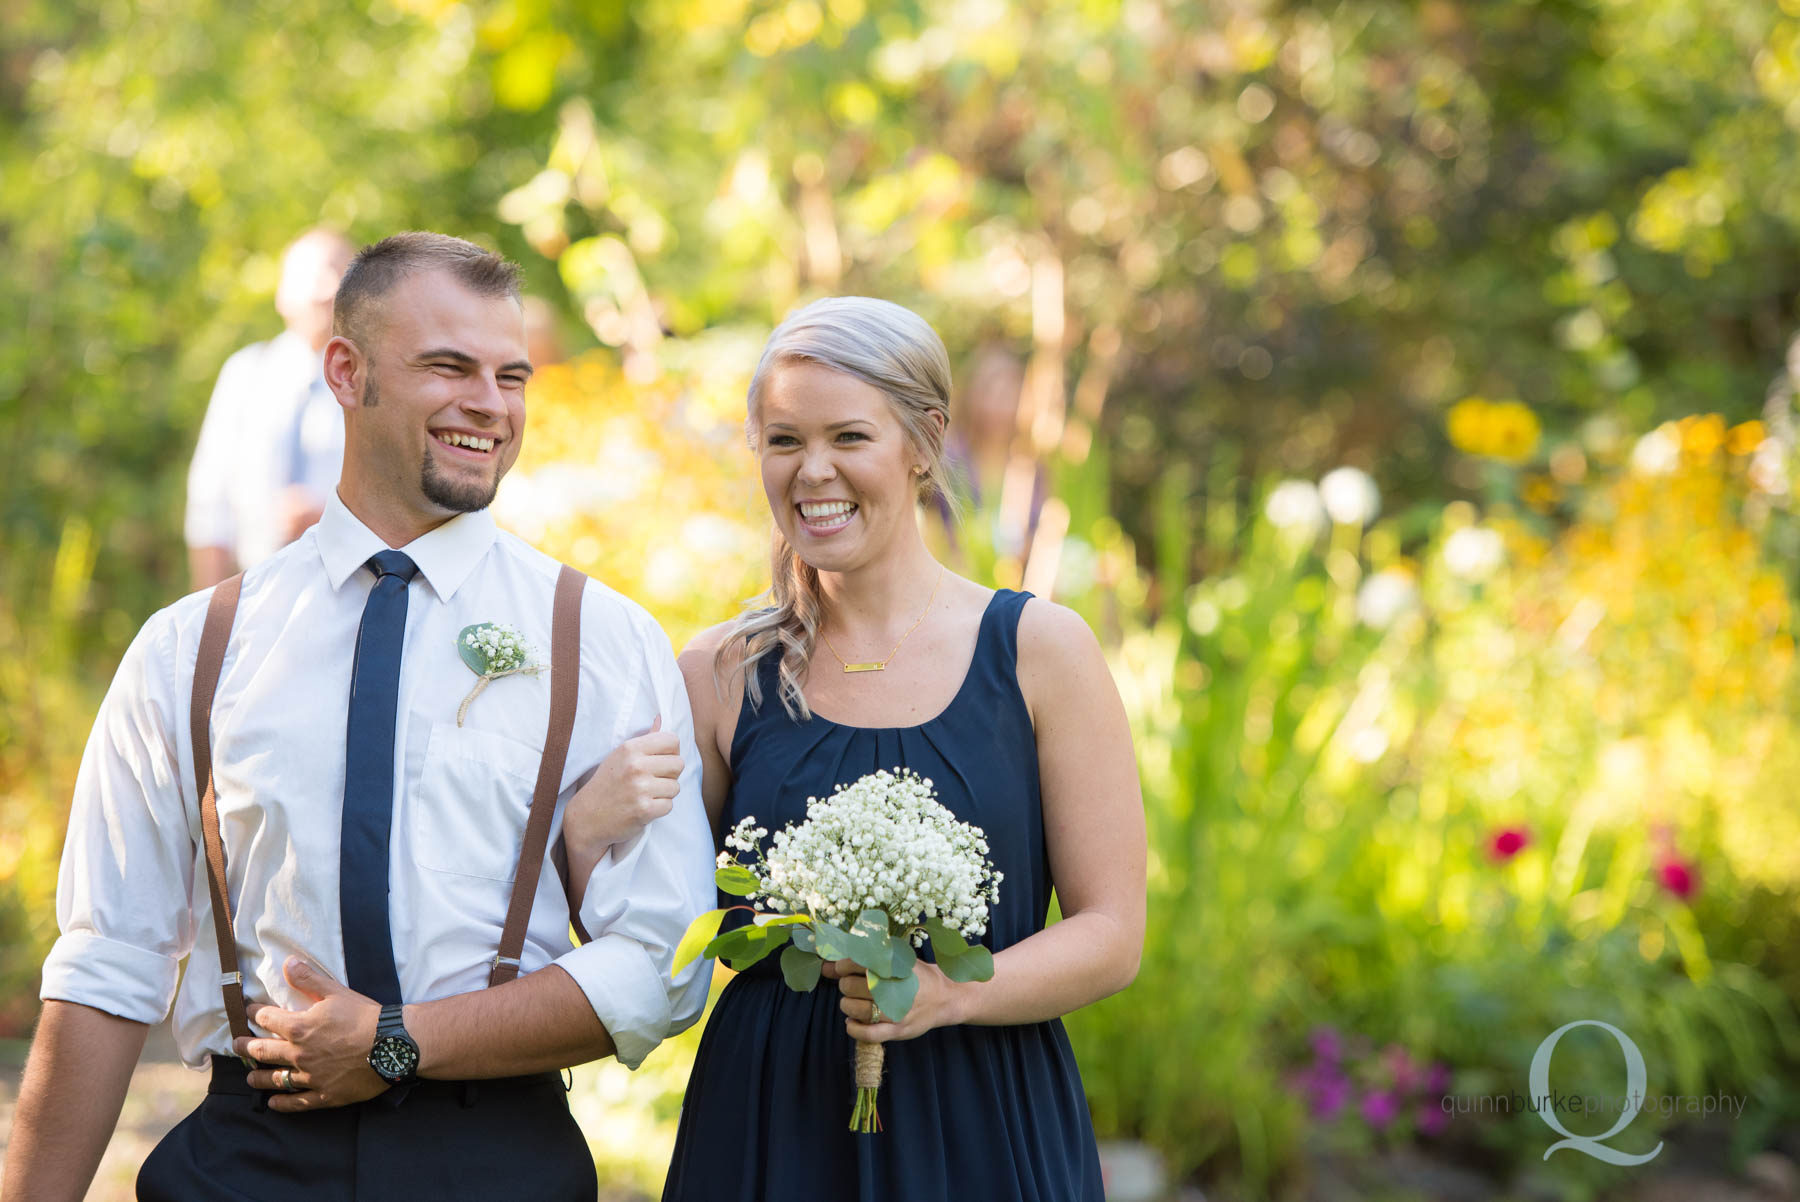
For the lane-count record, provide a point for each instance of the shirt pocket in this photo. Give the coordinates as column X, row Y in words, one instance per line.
column 474, row 795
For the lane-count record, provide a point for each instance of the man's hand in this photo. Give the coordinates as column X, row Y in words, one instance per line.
column 631, row 788
column 324, row 1048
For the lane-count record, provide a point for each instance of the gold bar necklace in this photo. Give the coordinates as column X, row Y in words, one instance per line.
column 879, row 665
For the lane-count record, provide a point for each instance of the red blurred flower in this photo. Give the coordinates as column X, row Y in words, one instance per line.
column 1507, row 843
column 1679, row 877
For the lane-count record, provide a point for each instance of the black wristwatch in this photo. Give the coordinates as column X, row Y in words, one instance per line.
column 395, row 1056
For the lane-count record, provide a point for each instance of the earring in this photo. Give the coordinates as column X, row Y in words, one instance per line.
column 918, row 469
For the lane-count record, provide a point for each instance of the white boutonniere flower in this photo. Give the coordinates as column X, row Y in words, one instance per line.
column 492, row 650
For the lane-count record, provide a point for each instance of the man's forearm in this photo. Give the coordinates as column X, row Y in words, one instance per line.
column 75, row 1081
column 540, row 1021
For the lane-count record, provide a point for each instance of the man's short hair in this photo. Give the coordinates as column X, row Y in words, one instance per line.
column 379, row 267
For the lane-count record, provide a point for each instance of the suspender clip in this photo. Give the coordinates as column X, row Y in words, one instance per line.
column 230, row 978
column 512, row 960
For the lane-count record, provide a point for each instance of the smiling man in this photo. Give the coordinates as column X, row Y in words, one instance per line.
column 369, row 832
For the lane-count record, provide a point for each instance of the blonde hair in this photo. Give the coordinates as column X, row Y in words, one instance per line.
column 881, row 344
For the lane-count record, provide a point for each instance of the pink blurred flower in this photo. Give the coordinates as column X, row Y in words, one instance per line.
column 1327, row 1044
column 1431, row 1119
column 1400, row 1067
column 1326, row 1089
column 1679, row 877
column 1508, row 842
column 1437, row 1079
column 1379, row 1108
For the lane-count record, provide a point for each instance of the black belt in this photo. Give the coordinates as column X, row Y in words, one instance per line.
column 229, row 1076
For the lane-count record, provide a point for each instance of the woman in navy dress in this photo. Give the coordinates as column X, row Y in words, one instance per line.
column 1004, row 702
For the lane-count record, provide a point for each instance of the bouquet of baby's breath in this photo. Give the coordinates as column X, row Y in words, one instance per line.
column 875, row 870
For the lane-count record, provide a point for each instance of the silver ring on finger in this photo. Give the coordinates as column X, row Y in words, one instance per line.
column 875, row 1014
column 284, row 1080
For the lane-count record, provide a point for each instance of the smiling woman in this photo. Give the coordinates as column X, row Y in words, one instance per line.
column 1004, row 701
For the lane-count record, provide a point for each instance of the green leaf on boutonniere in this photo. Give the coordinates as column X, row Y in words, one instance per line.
column 491, row 650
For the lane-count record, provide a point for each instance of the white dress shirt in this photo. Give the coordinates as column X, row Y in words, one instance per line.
column 271, row 423
column 132, row 896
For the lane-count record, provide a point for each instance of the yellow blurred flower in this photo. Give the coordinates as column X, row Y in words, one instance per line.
column 1744, row 438
column 1702, row 435
column 1505, row 430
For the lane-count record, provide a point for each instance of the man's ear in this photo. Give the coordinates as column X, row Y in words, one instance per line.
column 346, row 371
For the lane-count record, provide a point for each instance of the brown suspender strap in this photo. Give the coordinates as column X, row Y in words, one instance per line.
column 213, row 638
column 565, row 682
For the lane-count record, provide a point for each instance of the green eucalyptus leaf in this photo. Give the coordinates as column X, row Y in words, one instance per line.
column 871, row 924
column 947, row 942
column 700, row 932
column 900, row 957
column 800, row 968
column 830, row 942
column 976, row 964
column 763, row 940
column 475, row 657
column 737, row 880
column 894, row 994
column 803, row 939
column 731, row 943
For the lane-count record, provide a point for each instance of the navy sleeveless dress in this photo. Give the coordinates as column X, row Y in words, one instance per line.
column 968, row 1112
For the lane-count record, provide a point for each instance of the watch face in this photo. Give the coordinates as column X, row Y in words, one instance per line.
column 394, row 1057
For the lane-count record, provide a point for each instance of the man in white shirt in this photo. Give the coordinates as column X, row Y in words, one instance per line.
column 272, row 441
column 430, row 367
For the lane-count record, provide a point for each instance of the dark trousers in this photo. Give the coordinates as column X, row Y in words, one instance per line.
column 510, row 1139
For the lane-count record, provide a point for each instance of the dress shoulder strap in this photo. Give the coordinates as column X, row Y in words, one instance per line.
column 1007, row 607
column 221, row 612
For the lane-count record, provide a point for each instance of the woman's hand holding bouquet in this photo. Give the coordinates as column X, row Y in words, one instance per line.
column 876, row 869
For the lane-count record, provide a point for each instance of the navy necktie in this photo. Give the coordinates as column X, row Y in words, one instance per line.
column 369, row 782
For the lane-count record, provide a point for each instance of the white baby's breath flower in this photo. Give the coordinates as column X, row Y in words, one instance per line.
column 882, row 842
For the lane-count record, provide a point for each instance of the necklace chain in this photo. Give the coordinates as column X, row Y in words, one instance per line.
column 879, row 665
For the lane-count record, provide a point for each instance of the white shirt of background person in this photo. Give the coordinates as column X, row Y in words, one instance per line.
column 271, row 444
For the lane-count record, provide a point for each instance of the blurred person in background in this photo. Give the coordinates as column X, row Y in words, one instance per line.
column 272, row 443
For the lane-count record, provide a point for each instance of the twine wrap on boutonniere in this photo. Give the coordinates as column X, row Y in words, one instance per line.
column 492, row 650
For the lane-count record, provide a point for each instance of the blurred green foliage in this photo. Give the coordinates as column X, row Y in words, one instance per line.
column 1178, row 251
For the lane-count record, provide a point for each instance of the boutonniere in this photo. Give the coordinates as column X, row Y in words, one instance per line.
column 492, row 651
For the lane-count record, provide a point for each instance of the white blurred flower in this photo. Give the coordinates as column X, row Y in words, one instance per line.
column 1077, row 569
column 1657, row 452
column 1474, row 552
column 1768, row 468
column 668, row 573
column 1350, row 496
column 714, row 536
column 1294, row 508
column 1385, row 596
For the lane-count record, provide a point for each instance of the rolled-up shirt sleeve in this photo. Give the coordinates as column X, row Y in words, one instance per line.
column 643, row 893
column 128, row 862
